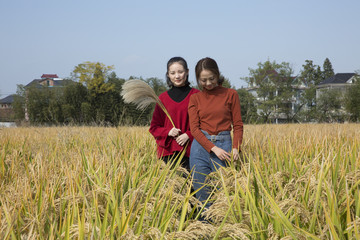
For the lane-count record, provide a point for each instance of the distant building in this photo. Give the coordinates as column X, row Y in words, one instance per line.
column 6, row 102
column 340, row 82
column 6, row 109
column 44, row 76
column 48, row 80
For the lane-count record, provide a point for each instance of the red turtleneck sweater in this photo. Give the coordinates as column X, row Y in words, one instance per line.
column 161, row 125
column 215, row 111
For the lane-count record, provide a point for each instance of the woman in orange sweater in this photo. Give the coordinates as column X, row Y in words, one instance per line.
column 213, row 113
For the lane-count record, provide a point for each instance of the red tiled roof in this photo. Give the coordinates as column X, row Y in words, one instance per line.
column 49, row 76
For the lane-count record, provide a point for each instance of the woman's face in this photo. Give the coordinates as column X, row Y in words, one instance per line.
column 177, row 74
column 208, row 80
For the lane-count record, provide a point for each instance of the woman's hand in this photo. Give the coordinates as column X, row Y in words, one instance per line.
column 174, row 132
column 221, row 153
column 235, row 153
column 182, row 139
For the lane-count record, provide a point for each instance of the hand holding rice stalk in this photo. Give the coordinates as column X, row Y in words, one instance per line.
column 142, row 95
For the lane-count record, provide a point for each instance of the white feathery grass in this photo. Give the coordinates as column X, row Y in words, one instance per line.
column 142, row 95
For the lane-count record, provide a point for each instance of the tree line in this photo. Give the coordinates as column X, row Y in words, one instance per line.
column 91, row 96
column 294, row 99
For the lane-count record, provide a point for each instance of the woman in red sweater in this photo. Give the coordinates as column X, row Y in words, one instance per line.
column 170, row 141
column 213, row 113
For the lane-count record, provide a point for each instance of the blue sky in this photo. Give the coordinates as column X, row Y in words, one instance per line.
column 138, row 37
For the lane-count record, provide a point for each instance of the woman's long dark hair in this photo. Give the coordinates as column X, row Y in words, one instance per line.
column 182, row 62
column 208, row 64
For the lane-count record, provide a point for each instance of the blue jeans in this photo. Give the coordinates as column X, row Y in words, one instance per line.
column 203, row 163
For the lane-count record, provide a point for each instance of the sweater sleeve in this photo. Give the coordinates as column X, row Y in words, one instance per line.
column 188, row 132
column 238, row 126
column 195, row 125
column 158, row 129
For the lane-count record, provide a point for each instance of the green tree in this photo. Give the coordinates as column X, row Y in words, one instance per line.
column 38, row 102
column 157, row 84
column 95, row 75
column 114, row 101
column 19, row 103
column 248, row 108
column 329, row 106
column 87, row 113
column 55, row 106
column 44, row 105
column 273, row 83
column 75, row 95
column 226, row 82
column 309, row 77
column 328, row 69
column 352, row 100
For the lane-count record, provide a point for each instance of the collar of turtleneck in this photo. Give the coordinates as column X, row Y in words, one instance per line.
column 215, row 90
column 179, row 93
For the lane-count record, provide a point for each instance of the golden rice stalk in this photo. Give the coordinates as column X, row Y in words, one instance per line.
column 142, row 95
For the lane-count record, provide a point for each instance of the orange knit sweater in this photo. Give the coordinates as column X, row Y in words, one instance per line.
column 215, row 111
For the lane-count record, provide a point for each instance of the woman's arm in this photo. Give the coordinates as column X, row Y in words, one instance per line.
column 238, row 125
column 158, row 128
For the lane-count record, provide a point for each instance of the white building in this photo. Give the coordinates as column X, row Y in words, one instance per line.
column 340, row 81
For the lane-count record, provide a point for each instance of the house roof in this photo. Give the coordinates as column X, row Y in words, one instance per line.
column 8, row 99
column 338, row 78
column 57, row 83
column 49, row 76
column 35, row 82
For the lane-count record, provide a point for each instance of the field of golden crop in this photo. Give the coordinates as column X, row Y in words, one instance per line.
column 294, row 182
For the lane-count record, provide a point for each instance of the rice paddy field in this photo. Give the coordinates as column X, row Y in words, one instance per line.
column 293, row 182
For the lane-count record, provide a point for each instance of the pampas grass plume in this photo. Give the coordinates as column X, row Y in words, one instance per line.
column 142, row 95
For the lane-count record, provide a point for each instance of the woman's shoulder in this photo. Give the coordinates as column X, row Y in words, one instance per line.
column 194, row 90
column 231, row 91
column 163, row 94
column 195, row 94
